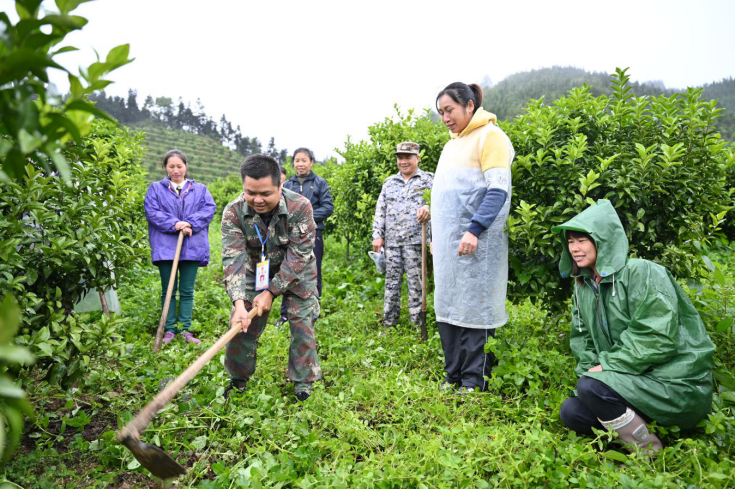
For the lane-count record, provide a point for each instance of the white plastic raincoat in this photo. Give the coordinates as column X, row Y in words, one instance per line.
column 470, row 290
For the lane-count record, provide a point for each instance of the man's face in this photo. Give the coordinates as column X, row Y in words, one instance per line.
column 261, row 194
column 408, row 163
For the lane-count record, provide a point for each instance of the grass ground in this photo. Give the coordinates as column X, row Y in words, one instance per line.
column 377, row 420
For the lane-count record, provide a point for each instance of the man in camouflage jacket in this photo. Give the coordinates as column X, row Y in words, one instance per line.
column 287, row 230
column 397, row 228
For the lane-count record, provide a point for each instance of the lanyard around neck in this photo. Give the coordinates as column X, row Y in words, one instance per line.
column 263, row 242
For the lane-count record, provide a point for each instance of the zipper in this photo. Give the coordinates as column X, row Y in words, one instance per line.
column 600, row 312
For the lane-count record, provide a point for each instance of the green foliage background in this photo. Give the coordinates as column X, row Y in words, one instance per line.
column 60, row 241
column 508, row 98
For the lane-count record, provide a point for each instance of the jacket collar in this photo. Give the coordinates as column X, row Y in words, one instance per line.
column 185, row 186
column 397, row 175
column 310, row 176
column 480, row 118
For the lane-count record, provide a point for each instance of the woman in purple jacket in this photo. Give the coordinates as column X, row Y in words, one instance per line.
column 173, row 204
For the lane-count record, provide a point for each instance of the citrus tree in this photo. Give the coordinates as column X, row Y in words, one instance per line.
column 36, row 123
column 657, row 159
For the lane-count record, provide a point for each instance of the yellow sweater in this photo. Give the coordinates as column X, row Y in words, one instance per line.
column 487, row 148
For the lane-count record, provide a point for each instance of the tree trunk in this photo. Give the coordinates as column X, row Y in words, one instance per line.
column 105, row 309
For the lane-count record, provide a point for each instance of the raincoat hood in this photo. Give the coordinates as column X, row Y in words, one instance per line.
column 601, row 222
column 480, row 118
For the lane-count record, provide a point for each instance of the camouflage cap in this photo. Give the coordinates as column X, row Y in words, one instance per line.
column 407, row 147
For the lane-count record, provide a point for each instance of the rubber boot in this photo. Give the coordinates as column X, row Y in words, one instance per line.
column 632, row 429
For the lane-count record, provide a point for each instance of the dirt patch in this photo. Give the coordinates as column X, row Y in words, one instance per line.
column 100, row 424
column 128, row 479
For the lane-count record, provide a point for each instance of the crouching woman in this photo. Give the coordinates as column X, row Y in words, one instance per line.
column 642, row 350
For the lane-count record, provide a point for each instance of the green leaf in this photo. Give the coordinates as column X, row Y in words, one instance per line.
column 65, row 49
column 724, row 324
column 9, row 389
column 15, row 423
column 118, row 56
column 45, row 348
column 15, row 354
column 66, row 23
column 717, row 476
column 32, row 275
column 616, row 456
column 718, row 277
column 28, row 142
column 79, row 105
column 708, row 263
column 66, row 6
column 23, row 61
column 9, row 318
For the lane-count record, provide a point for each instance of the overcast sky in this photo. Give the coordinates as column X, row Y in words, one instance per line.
column 311, row 73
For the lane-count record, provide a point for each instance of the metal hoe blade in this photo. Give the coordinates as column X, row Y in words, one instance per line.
column 154, row 459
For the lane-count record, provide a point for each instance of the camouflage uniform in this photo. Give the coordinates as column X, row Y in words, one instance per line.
column 292, row 273
column 396, row 222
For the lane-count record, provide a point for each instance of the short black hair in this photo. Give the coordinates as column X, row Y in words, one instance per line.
column 303, row 150
column 283, row 169
column 260, row 166
column 462, row 93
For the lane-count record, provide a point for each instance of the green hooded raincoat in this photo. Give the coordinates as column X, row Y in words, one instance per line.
column 639, row 325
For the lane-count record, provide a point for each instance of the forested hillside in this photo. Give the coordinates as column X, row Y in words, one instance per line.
column 215, row 149
column 208, row 158
column 509, row 97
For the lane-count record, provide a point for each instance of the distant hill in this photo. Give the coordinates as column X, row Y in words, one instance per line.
column 208, row 158
column 508, row 98
column 214, row 149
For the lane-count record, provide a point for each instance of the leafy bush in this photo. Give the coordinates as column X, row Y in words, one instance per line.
column 656, row 159
column 60, row 241
column 13, row 402
column 34, row 120
column 224, row 191
column 356, row 184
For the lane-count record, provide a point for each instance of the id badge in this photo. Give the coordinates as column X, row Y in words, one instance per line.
column 262, row 275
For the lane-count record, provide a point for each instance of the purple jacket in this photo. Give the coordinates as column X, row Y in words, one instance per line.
column 164, row 209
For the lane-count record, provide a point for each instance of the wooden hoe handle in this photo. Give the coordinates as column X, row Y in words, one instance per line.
column 169, row 290
column 145, row 416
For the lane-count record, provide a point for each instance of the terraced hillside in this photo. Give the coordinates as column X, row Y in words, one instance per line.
column 208, row 159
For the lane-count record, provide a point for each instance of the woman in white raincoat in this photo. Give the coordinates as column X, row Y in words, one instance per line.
column 470, row 203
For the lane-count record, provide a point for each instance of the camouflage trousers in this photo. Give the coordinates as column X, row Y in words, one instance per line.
column 399, row 260
column 241, row 351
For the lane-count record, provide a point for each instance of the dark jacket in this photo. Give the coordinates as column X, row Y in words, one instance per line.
column 315, row 189
column 164, row 208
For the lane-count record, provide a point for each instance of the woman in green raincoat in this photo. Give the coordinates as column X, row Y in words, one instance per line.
column 642, row 350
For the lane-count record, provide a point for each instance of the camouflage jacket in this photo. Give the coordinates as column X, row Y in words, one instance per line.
column 396, row 210
column 289, row 247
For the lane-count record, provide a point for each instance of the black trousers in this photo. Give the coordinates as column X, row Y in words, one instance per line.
column 319, row 251
column 465, row 362
column 595, row 400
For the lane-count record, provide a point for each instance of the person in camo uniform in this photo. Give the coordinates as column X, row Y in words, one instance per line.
column 266, row 223
column 397, row 228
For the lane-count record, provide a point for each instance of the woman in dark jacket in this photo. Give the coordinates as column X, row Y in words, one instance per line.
column 177, row 203
column 314, row 188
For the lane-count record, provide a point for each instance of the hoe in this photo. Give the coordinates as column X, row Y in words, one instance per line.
column 169, row 290
column 151, row 457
